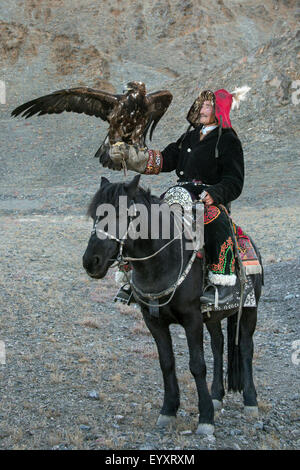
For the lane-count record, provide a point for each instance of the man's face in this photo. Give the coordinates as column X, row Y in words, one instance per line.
column 207, row 115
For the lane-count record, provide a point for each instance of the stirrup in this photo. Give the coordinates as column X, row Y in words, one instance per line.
column 220, row 297
column 216, row 304
column 124, row 295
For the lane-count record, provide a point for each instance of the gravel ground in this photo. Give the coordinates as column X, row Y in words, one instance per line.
column 72, row 356
column 70, row 380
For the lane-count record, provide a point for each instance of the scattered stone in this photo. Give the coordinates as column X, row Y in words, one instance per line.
column 94, row 395
column 289, row 296
column 119, row 418
column 91, row 437
column 146, row 447
column 60, row 447
column 235, row 432
column 186, row 433
column 84, row 427
column 236, row 446
column 259, row 425
column 210, row 438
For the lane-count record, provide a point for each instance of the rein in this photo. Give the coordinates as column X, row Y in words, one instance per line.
column 181, row 277
column 120, row 258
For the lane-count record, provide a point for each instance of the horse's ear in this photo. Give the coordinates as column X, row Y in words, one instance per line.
column 131, row 187
column 103, row 181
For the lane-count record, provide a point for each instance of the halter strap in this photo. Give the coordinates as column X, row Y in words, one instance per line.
column 120, row 258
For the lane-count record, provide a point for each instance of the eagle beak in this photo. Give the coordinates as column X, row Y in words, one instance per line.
column 129, row 86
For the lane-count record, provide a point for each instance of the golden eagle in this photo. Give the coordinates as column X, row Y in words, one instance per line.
column 129, row 115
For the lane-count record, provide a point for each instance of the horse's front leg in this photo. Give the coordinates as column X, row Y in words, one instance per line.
column 162, row 337
column 217, row 345
column 194, row 334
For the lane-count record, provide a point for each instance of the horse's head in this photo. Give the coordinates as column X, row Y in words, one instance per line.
column 110, row 224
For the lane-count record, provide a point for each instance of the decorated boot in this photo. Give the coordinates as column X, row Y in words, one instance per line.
column 221, row 277
column 221, row 291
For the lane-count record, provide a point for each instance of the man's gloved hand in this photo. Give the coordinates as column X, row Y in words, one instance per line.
column 104, row 157
column 119, row 153
column 128, row 156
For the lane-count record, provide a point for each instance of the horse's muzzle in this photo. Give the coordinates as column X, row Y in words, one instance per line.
column 93, row 267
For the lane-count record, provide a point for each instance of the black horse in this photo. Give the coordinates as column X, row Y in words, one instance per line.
column 156, row 267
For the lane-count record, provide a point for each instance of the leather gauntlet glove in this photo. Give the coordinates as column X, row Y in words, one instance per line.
column 128, row 156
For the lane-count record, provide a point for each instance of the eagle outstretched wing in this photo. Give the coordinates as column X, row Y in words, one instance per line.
column 158, row 103
column 79, row 100
column 129, row 115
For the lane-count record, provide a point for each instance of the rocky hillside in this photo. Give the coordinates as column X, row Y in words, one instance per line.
column 183, row 45
column 65, row 339
column 104, row 43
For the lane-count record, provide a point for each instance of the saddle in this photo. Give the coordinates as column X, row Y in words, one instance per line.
column 245, row 251
column 248, row 257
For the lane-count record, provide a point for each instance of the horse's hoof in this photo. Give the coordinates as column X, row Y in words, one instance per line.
column 251, row 411
column 217, row 404
column 165, row 421
column 205, row 429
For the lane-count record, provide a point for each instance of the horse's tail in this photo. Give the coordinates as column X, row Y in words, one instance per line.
column 234, row 370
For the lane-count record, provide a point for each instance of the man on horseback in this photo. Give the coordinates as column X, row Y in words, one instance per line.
column 209, row 163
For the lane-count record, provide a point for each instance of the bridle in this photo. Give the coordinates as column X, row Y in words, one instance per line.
column 121, row 260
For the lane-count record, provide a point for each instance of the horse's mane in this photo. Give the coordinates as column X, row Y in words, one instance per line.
column 110, row 193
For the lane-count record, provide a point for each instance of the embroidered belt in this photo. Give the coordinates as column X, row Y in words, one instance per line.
column 194, row 182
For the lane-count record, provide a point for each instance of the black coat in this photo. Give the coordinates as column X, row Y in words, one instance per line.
column 196, row 160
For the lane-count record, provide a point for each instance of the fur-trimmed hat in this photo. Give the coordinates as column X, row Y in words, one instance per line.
column 221, row 100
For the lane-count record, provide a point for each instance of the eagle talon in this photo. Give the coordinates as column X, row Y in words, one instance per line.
column 117, row 144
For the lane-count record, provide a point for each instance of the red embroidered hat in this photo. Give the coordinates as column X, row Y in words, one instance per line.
column 222, row 101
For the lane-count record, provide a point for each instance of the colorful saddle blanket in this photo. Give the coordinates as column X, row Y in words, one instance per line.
column 247, row 252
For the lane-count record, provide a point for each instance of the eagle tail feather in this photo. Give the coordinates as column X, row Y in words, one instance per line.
column 104, row 148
